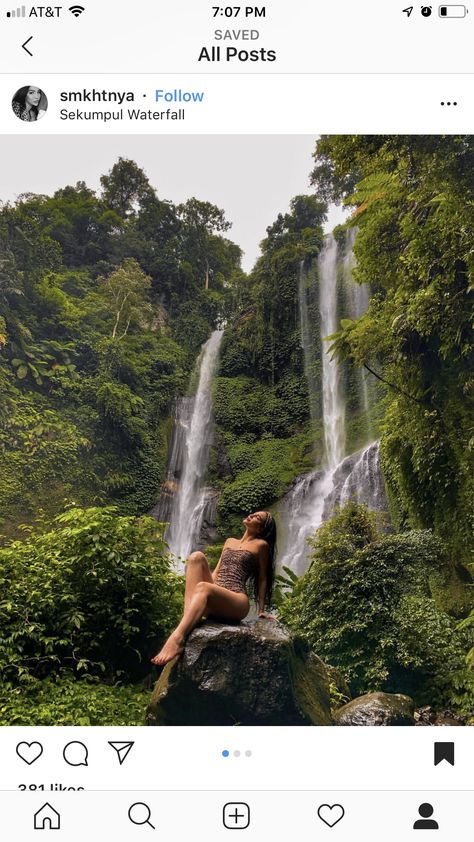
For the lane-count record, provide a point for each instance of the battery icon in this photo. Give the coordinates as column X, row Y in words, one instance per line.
column 452, row 11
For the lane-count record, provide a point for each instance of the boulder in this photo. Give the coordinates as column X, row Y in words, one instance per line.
column 251, row 673
column 377, row 709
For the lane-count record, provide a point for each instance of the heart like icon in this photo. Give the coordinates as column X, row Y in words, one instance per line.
column 331, row 814
column 29, row 752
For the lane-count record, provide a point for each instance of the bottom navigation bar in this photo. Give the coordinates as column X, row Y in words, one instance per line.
column 391, row 815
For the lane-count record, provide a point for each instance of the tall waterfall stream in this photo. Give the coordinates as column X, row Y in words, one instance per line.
column 184, row 499
column 314, row 495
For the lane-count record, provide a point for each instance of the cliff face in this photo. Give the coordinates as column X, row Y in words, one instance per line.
column 254, row 673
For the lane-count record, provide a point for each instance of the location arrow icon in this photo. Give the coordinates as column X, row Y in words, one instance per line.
column 408, row 10
column 122, row 749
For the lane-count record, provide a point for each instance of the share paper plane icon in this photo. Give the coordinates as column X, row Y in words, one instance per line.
column 122, row 750
column 408, row 10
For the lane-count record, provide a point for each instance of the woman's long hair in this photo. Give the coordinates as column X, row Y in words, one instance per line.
column 20, row 98
column 269, row 534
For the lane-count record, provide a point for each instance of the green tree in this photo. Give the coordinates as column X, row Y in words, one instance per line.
column 125, row 188
column 10, row 278
column 124, row 291
column 201, row 221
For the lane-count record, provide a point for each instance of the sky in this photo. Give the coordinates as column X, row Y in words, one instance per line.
column 252, row 177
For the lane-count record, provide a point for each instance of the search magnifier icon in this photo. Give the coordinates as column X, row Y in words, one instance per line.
column 140, row 813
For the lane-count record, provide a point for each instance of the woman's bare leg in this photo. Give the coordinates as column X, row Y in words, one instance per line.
column 197, row 570
column 207, row 599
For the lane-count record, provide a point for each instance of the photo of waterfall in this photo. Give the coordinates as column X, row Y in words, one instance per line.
column 235, row 431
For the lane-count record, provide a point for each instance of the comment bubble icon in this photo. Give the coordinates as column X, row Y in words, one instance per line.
column 76, row 754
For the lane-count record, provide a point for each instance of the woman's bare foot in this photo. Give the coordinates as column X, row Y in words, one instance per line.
column 173, row 647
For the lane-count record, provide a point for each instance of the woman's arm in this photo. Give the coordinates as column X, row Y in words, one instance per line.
column 263, row 556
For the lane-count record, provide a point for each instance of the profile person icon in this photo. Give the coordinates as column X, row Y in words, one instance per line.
column 30, row 103
column 426, row 822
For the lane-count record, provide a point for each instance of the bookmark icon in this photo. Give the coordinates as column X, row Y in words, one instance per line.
column 444, row 751
column 122, row 749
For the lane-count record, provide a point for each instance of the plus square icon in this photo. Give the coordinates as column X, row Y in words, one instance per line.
column 236, row 815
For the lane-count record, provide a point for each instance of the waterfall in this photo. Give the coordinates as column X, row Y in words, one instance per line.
column 181, row 418
column 306, row 300
column 359, row 478
column 301, row 511
column 364, row 483
column 333, row 403
column 314, row 495
column 185, row 500
column 358, row 301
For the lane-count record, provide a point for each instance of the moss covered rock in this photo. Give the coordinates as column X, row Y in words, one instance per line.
column 377, row 709
column 253, row 673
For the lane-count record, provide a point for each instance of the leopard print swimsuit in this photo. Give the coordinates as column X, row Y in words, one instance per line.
column 237, row 567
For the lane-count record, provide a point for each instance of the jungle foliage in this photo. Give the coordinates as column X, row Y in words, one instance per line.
column 412, row 200
column 413, row 203
column 261, row 397
column 67, row 701
column 105, row 299
column 368, row 604
column 90, row 593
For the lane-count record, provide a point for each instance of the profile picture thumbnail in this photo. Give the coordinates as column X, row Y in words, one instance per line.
column 30, row 103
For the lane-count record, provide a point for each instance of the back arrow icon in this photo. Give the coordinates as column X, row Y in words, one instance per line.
column 408, row 10
column 25, row 48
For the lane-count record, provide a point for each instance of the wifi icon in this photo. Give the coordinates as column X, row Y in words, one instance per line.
column 76, row 10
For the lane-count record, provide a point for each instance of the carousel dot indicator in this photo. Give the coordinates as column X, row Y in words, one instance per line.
column 225, row 753
column 248, row 754
column 236, row 753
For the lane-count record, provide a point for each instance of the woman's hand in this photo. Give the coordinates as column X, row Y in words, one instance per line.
column 264, row 616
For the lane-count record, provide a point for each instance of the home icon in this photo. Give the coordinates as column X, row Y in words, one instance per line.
column 47, row 818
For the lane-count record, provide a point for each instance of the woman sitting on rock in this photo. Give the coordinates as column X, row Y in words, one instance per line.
column 222, row 594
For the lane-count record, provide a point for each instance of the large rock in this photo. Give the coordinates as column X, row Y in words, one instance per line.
column 252, row 673
column 377, row 709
